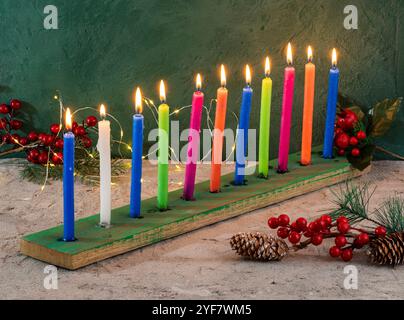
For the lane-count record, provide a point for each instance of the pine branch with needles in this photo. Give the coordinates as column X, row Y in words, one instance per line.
column 391, row 214
column 87, row 169
column 353, row 201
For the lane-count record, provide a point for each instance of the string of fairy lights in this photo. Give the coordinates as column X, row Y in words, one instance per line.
column 120, row 141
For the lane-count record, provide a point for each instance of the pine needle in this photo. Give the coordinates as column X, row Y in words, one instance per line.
column 353, row 202
column 87, row 170
column 391, row 214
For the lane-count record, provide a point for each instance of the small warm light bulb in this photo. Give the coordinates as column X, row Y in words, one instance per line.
column 138, row 101
column 198, row 82
column 309, row 54
column 223, row 76
column 248, row 75
column 267, row 67
column 68, row 119
column 103, row 111
column 163, row 97
column 289, row 54
column 334, row 57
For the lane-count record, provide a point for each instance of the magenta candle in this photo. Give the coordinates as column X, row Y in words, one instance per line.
column 286, row 119
column 193, row 141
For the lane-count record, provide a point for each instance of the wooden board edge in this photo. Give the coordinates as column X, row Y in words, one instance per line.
column 44, row 254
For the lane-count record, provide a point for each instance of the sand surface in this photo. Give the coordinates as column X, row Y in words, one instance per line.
column 199, row 265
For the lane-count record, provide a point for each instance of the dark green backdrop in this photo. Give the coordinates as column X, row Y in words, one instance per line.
column 103, row 49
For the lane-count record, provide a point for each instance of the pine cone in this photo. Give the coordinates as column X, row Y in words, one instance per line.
column 259, row 246
column 388, row 250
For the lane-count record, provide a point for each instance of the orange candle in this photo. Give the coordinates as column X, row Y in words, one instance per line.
column 220, row 122
column 307, row 134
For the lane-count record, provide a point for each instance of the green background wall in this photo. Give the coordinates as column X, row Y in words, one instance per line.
column 103, row 49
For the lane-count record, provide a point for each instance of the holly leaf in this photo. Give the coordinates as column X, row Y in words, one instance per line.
column 358, row 111
column 346, row 103
column 365, row 158
column 383, row 115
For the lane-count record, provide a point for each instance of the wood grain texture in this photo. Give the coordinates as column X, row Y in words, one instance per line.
column 96, row 244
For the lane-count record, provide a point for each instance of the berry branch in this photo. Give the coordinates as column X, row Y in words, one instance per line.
column 44, row 150
column 358, row 126
column 324, row 228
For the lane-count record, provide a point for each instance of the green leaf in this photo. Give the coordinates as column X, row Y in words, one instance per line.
column 358, row 111
column 347, row 103
column 384, row 114
column 365, row 158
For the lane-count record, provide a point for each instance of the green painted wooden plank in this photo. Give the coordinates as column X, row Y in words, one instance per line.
column 91, row 236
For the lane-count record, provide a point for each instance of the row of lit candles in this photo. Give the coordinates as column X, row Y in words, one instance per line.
column 217, row 145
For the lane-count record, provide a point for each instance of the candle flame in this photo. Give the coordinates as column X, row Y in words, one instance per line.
column 198, row 82
column 267, row 67
column 289, row 57
column 103, row 111
column 68, row 119
column 309, row 54
column 162, row 91
column 334, row 57
column 248, row 74
column 138, row 101
column 223, row 76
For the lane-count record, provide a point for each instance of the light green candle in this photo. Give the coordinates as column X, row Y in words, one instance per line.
column 265, row 122
column 164, row 130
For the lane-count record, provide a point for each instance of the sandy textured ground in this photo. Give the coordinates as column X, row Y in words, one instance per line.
column 197, row 265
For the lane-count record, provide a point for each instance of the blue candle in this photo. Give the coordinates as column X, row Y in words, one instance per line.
column 242, row 136
column 68, row 182
column 137, row 155
column 331, row 108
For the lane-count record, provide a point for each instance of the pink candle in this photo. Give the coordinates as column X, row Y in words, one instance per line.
column 286, row 119
column 193, row 141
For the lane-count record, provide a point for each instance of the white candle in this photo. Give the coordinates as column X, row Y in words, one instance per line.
column 104, row 148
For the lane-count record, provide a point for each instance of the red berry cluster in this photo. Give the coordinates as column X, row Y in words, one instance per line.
column 349, row 136
column 324, row 228
column 40, row 147
column 9, row 124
